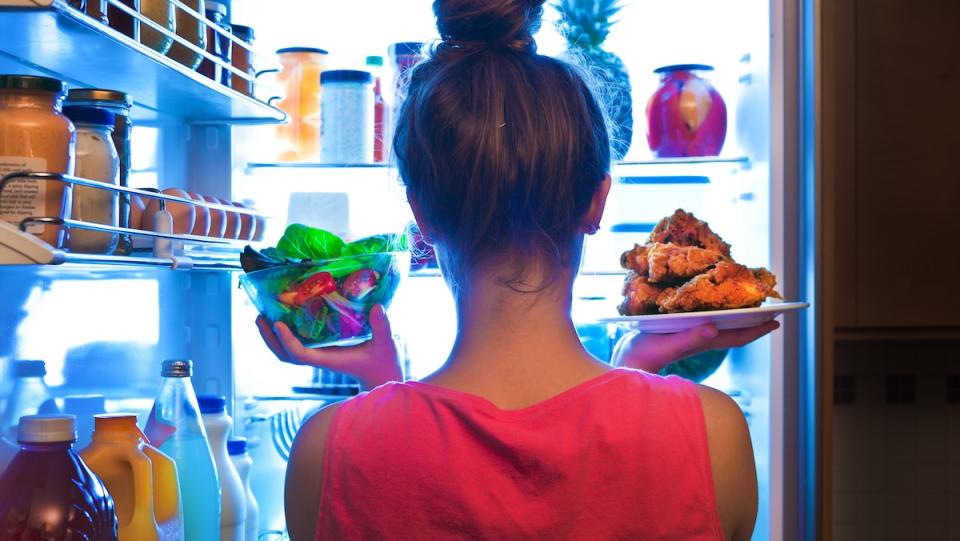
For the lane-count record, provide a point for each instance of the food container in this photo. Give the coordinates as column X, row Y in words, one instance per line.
column 347, row 113
column 162, row 13
column 35, row 136
column 685, row 116
column 118, row 103
column 240, row 58
column 97, row 159
column 218, row 45
column 299, row 75
column 327, row 303
column 118, row 19
column 375, row 65
column 193, row 31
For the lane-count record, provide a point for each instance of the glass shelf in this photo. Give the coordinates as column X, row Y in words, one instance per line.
column 57, row 41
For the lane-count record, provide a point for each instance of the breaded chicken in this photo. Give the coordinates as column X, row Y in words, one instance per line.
column 635, row 259
column 639, row 296
column 672, row 263
column 685, row 229
column 728, row 285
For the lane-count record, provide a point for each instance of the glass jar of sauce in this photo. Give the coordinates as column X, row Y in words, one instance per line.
column 162, row 13
column 119, row 104
column 218, row 45
column 241, row 59
column 35, row 136
column 191, row 29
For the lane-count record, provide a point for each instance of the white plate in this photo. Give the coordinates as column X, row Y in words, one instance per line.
column 724, row 319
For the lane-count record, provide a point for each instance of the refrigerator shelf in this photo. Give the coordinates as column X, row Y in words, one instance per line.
column 52, row 39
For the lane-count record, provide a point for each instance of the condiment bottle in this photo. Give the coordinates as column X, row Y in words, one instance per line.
column 237, row 448
column 233, row 498
column 97, row 159
column 47, row 492
column 118, row 19
column 35, row 136
column 141, row 479
column 241, row 59
column 218, row 45
column 193, row 31
column 162, row 13
column 174, row 427
column 119, row 104
column 29, row 396
column 375, row 65
column 347, row 113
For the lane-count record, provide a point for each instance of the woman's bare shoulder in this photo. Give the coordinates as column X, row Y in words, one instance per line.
column 304, row 479
column 731, row 459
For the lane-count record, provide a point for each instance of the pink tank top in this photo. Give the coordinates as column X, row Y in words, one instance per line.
column 622, row 456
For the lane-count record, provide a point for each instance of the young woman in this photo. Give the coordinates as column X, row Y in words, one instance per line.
column 521, row 434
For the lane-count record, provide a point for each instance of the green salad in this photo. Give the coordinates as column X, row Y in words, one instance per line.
column 322, row 287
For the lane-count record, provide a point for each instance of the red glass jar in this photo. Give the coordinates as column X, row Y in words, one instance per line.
column 686, row 116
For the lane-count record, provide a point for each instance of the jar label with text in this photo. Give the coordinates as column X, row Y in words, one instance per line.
column 22, row 198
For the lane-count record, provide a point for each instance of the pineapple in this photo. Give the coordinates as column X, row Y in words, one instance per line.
column 585, row 24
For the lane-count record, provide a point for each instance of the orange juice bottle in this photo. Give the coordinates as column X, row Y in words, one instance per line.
column 141, row 479
column 300, row 78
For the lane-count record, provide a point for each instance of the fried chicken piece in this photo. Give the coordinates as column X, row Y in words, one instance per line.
column 685, row 229
column 672, row 263
column 639, row 296
column 635, row 259
column 728, row 285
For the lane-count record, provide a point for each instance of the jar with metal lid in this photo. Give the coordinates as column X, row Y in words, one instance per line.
column 192, row 30
column 218, row 45
column 241, row 59
column 118, row 103
column 347, row 113
column 96, row 159
column 162, row 13
column 35, row 136
column 299, row 75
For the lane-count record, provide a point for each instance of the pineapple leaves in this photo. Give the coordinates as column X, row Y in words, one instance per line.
column 586, row 23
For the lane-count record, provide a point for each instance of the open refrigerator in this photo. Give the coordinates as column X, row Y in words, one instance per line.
column 103, row 324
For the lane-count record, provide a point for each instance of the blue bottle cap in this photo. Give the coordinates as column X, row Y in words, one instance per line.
column 212, row 404
column 237, row 446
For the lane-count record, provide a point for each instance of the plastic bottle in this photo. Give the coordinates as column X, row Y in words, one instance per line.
column 375, row 65
column 30, row 395
column 237, row 448
column 174, row 427
column 47, row 492
column 233, row 500
column 141, row 480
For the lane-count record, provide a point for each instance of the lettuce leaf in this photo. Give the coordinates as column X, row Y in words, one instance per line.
column 377, row 244
column 304, row 242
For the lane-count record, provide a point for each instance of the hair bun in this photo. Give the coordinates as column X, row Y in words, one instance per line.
column 471, row 24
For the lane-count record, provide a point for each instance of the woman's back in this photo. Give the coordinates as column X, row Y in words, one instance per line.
column 621, row 456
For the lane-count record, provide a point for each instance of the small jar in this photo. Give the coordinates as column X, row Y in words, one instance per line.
column 97, row 159
column 119, row 104
column 35, row 136
column 240, row 58
column 162, row 13
column 346, row 114
column 193, row 31
column 218, row 45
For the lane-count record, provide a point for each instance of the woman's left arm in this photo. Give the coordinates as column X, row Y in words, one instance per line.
column 304, row 482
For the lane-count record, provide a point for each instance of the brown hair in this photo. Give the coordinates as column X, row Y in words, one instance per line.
column 501, row 149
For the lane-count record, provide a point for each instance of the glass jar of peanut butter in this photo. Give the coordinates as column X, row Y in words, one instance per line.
column 35, row 136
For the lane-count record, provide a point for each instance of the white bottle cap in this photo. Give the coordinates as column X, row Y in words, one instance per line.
column 54, row 428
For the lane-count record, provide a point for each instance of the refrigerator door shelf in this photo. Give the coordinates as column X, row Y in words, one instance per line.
column 18, row 248
column 52, row 39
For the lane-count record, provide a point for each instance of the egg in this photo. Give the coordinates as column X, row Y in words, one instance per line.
column 184, row 215
column 261, row 227
column 248, row 226
column 201, row 227
column 233, row 222
column 218, row 218
column 136, row 212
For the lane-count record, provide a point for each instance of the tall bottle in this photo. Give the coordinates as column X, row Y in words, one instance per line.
column 233, row 500
column 375, row 65
column 141, row 479
column 48, row 492
column 30, row 395
column 174, row 427
column 244, row 463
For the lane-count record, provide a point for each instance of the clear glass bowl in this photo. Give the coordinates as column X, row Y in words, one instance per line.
column 328, row 302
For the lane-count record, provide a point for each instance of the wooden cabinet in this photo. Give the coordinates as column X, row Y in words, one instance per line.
column 890, row 103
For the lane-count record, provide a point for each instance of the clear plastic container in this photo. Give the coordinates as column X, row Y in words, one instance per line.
column 48, row 492
column 347, row 117
column 97, row 159
column 30, row 396
column 233, row 501
column 175, row 428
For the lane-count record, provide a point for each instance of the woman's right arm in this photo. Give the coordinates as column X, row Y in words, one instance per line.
column 731, row 458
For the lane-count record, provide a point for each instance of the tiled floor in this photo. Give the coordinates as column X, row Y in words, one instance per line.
column 896, row 444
